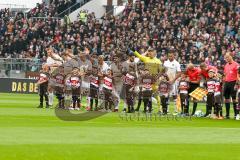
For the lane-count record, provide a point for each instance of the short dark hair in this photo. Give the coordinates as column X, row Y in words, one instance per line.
column 171, row 52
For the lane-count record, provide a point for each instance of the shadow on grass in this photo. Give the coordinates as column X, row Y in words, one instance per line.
column 67, row 115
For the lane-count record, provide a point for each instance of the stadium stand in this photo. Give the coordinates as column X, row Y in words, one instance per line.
column 198, row 30
column 56, row 8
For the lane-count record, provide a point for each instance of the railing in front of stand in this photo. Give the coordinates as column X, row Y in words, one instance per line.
column 20, row 64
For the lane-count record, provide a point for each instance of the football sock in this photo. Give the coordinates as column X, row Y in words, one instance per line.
column 91, row 103
column 235, row 109
column 50, row 97
column 194, row 108
column 227, row 109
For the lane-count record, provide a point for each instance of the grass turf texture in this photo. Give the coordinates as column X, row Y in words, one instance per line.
column 30, row 133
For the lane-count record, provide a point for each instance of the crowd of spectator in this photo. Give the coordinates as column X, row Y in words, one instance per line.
column 198, row 30
column 53, row 9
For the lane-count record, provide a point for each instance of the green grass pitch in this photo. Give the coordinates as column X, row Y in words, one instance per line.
column 37, row 134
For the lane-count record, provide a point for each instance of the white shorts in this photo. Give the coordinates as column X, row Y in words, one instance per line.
column 117, row 94
column 85, row 87
column 118, row 89
column 51, row 83
column 174, row 89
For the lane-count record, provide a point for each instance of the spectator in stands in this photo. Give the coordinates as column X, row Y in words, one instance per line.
column 200, row 31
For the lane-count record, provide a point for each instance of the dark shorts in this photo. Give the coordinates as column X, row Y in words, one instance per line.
column 210, row 99
column 43, row 89
column 59, row 90
column 229, row 90
column 183, row 96
column 218, row 99
column 76, row 92
column 107, row 95
column 127, row 92
column 93, row 91
column 147, row 94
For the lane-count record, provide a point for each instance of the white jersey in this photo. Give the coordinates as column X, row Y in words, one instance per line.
column 126, row 65
column 84, row 67
column 51, row 61
column 117, row 72
column 103, row 68
column 172, row 68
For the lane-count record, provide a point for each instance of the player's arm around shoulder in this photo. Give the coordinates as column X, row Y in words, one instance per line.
column 141, row 57
column 39, row 82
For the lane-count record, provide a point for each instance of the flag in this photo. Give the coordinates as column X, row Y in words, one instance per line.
column 178, row 104
column 199, row 93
